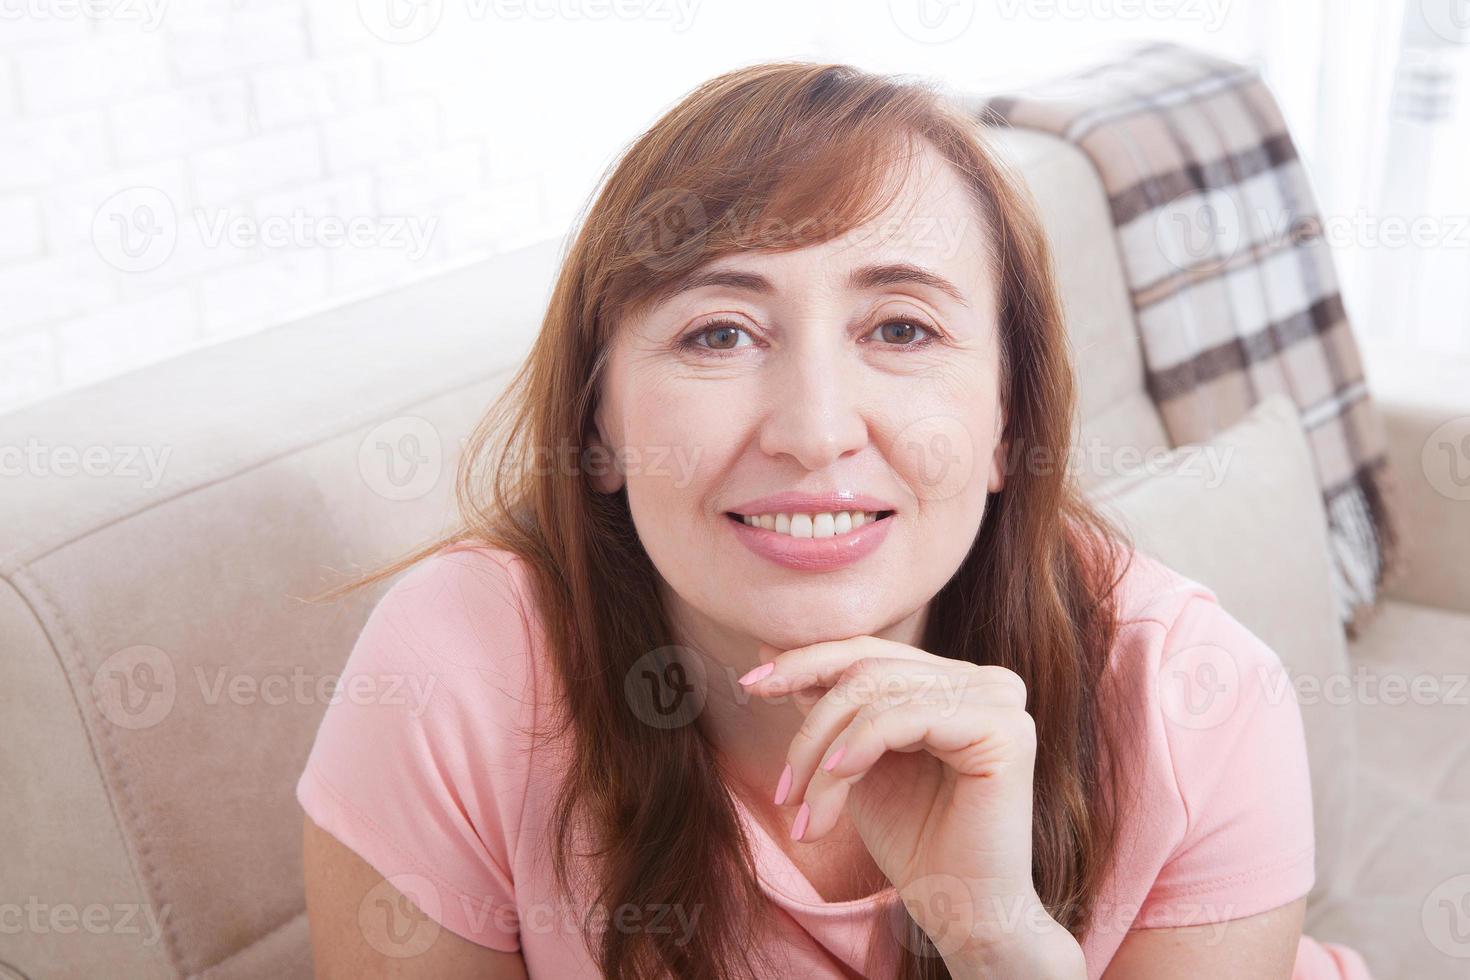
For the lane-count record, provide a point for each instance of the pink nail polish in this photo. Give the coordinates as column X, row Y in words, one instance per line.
column 799, row 827
column 835, row 758
column 759, row 672
column 783, row 785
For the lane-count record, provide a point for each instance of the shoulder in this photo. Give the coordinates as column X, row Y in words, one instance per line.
column 461, row 625
column 464, row 605
column 1170, row 623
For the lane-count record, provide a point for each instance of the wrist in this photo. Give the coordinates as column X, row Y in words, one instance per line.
column 1038, row 946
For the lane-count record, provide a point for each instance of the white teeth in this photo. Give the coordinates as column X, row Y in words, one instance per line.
column 824, row 525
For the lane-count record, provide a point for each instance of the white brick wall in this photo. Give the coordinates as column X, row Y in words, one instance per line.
column 176, row 172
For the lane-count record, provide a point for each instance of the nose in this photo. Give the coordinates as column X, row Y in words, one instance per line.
column 814, row 412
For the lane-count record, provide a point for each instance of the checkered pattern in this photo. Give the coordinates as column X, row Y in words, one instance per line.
column 1232, row 284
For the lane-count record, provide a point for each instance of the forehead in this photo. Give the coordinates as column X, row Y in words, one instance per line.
column 931, row 221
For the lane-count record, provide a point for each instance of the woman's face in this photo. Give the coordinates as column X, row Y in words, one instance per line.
column 796, row 388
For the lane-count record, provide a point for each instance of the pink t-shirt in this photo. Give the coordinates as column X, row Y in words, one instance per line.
column 421, row 766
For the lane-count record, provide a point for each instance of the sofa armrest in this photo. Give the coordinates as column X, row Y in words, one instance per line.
column 1424, row 399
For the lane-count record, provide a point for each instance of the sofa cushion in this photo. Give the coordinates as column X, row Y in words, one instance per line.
column 1403, row 899
column 1242, row 516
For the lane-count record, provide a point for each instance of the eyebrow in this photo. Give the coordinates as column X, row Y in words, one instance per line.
column 865, row 278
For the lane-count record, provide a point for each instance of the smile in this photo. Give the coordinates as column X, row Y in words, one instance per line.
column 826, row 524
column 812, row 542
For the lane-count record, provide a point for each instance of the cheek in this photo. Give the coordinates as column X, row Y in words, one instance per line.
column 678, row 434
column 941, row 443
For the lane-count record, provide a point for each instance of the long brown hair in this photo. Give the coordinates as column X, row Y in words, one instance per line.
column 781, row 155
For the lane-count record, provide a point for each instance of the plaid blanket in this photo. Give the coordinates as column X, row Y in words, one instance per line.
column 1233, row 286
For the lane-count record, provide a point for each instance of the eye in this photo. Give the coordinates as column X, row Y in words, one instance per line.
column 722, row 335
column 902, row 332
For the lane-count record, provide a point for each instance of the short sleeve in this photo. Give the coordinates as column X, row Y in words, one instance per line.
column 417, row 765
column 1239, row 755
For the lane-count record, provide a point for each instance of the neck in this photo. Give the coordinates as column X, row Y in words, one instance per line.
column 751, row 735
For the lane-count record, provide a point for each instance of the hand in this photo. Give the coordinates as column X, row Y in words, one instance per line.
column 934, row 760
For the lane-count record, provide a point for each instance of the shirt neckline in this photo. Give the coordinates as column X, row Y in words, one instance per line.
column 785, row 883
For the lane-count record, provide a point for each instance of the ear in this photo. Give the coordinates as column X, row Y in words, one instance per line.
column 998, row 459
column 601, row 459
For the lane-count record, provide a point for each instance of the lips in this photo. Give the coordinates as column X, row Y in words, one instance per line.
column 812, row 532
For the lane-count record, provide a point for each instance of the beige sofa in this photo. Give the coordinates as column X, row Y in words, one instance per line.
column 162, row 678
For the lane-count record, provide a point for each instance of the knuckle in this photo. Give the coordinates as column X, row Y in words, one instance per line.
column 1009, row 679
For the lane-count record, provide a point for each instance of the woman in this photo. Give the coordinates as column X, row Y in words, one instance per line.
column 767, row 646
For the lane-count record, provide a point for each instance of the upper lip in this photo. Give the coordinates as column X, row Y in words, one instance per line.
column 793, row 502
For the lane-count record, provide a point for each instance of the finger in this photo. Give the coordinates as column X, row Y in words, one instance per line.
column 975, row 739
column 820, row 664
column 858, row 686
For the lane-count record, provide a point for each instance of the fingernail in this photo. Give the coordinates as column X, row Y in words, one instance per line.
column 758, row 673
column 783, row 785
column 799, row 827
column 835, row 758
